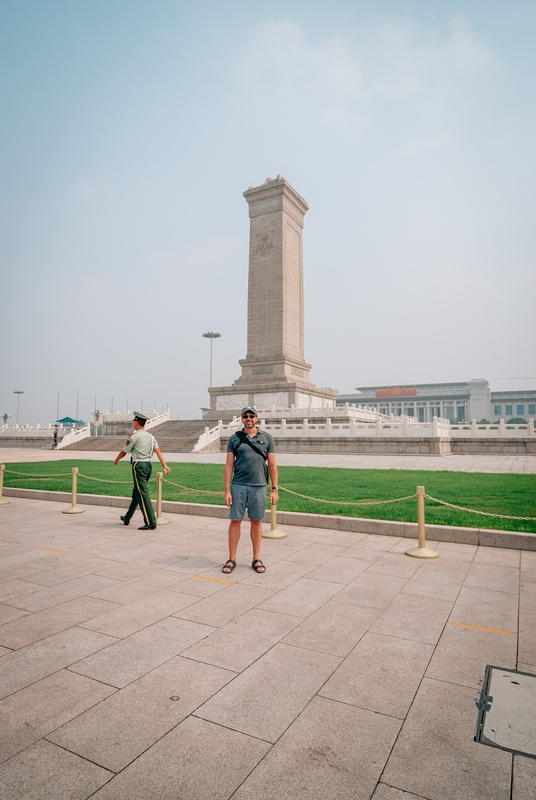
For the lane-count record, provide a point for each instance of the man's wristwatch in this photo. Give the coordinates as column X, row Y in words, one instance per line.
column 276, row 488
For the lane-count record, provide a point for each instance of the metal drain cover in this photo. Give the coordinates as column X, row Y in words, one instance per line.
column 507, row 707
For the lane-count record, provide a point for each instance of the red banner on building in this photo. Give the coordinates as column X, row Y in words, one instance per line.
column 396, row 392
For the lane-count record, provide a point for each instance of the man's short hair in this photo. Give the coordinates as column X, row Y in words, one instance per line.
column 249, row 408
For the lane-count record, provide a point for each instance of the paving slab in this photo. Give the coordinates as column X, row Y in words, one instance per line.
column 44, row 771
column 243, row 640
column 527, row 638
column 372, row 589
column 225, row 606
column 440, row 579
column 524, row 778
column 127, row 619
column 332, row 750
column 462, row 654
column 28, row 715
column 491, row 576
column 382, row 674
column 421, row 619
column 115, row 732
column 17, row 588
column 486, row 608
column 53, row 596
column 131, row 590
column 335, row 628
column 23, row 667
column 128, row 659
column 283, row 680
column 42, row 624
column 195, row 761
column 302, row 598
column 435, row 756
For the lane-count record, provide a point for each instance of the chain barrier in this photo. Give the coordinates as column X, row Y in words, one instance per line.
column 189, row 489
column 36, row 476
column 482, row 513
column 103, row 480
column 349, row 502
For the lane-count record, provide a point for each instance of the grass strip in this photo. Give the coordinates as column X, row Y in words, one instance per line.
column 496, row 493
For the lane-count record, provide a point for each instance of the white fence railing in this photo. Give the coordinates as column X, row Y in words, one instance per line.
column 75, row 435
column 155, row 419
column 501, row 430
column 379, row 426
column 32, row 430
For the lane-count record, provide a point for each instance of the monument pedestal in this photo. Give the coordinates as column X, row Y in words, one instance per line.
column 274, row 372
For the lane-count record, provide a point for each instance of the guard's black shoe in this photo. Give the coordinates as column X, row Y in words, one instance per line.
column 125, row 521
column 147, row 528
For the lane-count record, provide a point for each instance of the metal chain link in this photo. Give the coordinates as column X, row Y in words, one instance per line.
column 36, row 475
column 103, row 480
column 349, row 502
column 189, row 489
column 482, row 513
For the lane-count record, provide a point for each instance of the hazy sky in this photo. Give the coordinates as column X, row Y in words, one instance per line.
column 130, row 129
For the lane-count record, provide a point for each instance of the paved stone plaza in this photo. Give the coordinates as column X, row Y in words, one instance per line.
column 132, row 668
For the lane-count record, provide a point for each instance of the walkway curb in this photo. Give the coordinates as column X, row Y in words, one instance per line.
column 408, row 530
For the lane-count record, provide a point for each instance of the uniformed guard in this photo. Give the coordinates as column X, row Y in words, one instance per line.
column 141, row 445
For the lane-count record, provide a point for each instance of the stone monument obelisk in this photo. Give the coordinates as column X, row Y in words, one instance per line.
column 274, row 371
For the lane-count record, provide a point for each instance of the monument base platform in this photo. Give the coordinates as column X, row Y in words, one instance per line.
column 228, row 401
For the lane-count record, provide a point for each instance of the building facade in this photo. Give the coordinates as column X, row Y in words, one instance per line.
column 457, row 402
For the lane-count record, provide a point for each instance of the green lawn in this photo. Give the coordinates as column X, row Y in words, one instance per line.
column 496, row 493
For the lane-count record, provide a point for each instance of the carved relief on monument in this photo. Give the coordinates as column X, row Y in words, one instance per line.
column 264, row 243
column 300, row 373
column 316, row 402
column 256, row 208
column 269, row 399
column 228, row 402
column 302, row 400
column 263, row 369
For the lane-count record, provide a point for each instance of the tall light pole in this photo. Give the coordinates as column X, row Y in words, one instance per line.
column 58, row 406
column 211, row 335
column 18, row 393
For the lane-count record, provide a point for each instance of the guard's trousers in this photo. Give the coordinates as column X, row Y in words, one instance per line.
column 141, row 472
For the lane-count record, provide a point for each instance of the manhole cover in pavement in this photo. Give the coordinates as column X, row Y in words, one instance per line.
column 507, row 711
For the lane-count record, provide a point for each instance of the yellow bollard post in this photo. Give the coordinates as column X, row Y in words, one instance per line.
column 273, row 533
column 2, row 501
column 421, row 551
column 73, row 509
column 159, row 518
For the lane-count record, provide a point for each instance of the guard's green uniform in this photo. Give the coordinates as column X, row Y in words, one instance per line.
column 141, row 446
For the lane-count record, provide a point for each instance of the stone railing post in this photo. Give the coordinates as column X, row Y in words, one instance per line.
column 305, row 425
column 502, row 428
column 473, row 427
column 531, row 428
column 379, row 426
column 435, row 427
column 328, row 427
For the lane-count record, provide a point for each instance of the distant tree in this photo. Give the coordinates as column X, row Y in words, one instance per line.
column 517, row 421
column 483, row 421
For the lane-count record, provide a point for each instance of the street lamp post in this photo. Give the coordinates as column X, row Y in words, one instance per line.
column 211, row 335
column 18, row 393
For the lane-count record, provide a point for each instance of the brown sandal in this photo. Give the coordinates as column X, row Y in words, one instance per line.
column 228, row 566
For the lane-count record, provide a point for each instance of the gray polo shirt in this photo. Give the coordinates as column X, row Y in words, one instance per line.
column 250, row 468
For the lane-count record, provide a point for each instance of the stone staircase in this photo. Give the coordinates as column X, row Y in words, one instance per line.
column 175, row 436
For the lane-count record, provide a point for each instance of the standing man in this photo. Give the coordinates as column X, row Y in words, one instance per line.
column 55, row 435
column 250, row 456
column 141, row 445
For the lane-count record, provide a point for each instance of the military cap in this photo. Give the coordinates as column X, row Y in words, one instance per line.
column 140, row 415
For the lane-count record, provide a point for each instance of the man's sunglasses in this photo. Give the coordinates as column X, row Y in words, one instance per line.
column 248, row 416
